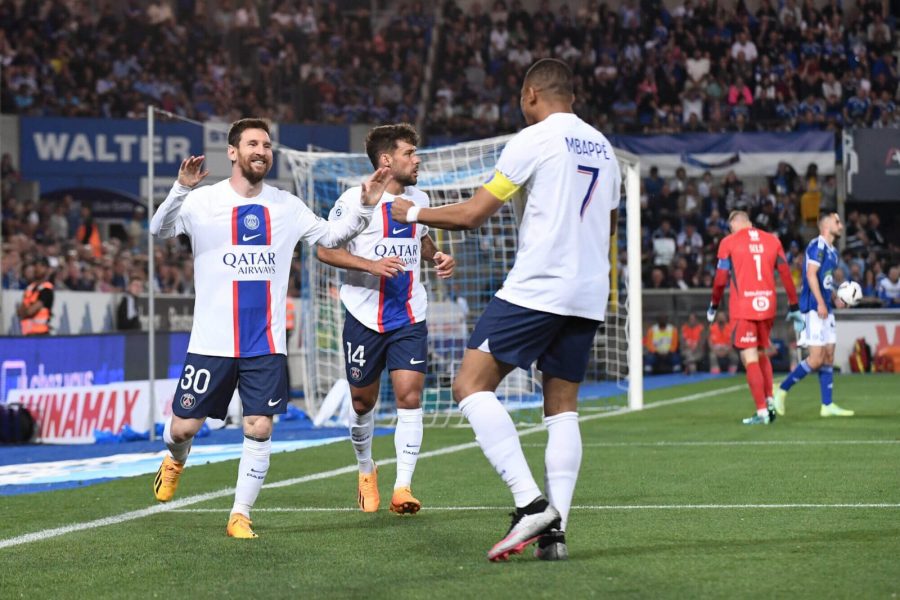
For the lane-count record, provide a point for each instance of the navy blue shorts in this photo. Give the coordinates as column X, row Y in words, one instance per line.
column 367, row 352
column 207, row 384
column 519, row 336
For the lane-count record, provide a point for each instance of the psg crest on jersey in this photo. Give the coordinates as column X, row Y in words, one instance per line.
column 188, row 401
column 251, row 222
column 355, row 373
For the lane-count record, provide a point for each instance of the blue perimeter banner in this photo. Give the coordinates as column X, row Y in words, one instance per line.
column 747, row 154
column 59, row 361
column 111, row 154
column 101, row 153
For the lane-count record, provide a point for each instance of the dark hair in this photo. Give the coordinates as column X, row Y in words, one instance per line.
column 238, row 127
column 551, row 75
column 384, row 138
column 825, row 215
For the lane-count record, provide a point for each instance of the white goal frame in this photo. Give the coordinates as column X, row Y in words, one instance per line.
column 306, row 165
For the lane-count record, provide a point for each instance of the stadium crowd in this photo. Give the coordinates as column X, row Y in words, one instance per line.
column 286, row 60
column 697, row 67
column 683, row 219
column 700, row 67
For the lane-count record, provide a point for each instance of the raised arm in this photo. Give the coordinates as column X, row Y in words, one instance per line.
column 165, row 221
column 337, row 232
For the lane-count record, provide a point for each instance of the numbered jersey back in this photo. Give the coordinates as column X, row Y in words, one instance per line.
column 568, row 181
column 751, row 256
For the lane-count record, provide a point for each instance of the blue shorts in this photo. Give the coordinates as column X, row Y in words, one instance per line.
column 207, row 384
column 518, row 336
column 366, row 352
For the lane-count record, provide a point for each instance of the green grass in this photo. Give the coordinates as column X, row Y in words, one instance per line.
column 676, row 456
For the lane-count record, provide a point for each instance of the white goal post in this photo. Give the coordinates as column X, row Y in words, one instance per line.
column 451, row 174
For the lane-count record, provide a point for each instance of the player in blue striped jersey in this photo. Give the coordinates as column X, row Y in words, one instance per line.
column 817, row 302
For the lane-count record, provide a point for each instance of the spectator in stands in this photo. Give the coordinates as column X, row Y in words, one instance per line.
column 88, row 233
column 661, row 344
column 128, row 317
column 889, row 288
column 36, row 308
column 693, row 344
column 721, row 351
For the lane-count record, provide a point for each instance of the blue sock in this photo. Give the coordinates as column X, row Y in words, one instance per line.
column 826, row 382
column 799, row 372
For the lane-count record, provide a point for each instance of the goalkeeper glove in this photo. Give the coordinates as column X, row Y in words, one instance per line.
column 711, row 312
column 796, row 318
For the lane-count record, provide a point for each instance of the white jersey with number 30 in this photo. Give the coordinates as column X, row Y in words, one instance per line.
column 570, row 177
column 243, row 249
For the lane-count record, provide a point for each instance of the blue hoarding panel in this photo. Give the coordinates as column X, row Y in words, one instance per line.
column 102, row 147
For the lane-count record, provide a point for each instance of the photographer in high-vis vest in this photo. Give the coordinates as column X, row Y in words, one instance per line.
column 37, row 303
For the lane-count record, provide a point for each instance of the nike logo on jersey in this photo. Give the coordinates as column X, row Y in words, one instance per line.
column 247, row 238
column 274, row 402
column 413, row 361
column 400, row 230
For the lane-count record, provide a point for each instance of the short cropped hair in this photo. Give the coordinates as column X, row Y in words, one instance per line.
column 825, row 215
column 552, row 76
column 738, row 214
column 238, row 127
column 383, row 139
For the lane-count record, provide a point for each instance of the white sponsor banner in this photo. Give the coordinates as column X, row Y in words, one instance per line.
column 69, row 415
column 743, row 164
column 73, row 312
column 880, row 330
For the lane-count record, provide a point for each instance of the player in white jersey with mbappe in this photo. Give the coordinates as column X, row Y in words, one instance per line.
column 551, row 303
column 386, row 306
column 242, row 233
column 817, row 305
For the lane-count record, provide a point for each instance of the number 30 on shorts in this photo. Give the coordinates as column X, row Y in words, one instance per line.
column 196, row 379
column 357, row 356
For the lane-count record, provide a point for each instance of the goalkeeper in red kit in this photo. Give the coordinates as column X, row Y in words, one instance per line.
column 748, row 259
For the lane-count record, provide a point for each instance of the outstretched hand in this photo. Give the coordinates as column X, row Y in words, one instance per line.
column 399, row 208
column 373, row 188
column 444, row 265
column 190, row 173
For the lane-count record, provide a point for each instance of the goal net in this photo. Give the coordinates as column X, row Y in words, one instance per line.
column 483, row 258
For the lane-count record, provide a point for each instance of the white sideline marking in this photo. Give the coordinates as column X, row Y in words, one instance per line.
column 46, row 534
column 732, row 443
column 321, row 509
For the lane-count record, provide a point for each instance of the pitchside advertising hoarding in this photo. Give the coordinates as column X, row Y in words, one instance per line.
column 102, row 158
column 76, row 384
column 872, row 162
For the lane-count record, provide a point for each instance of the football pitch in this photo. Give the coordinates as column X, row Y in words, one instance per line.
column 676, row 501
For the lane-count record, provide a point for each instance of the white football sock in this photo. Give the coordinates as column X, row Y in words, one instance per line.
column 497, row 436
column 179, row 450
column 407, row 441
column 251, row 474
column 562, row 460
column 361, row 429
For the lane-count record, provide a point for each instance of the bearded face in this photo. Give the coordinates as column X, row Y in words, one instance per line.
column 253, row 156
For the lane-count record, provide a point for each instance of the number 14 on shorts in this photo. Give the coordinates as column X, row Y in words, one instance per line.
column 357, row 356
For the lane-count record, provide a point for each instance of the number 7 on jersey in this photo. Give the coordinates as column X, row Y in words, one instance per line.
column 594, row 172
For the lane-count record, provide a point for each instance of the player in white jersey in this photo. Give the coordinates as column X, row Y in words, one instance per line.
column 242, row 233
column 551, row 303
column 386, row 306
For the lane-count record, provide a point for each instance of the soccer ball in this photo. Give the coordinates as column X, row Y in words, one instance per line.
column 850, row 293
